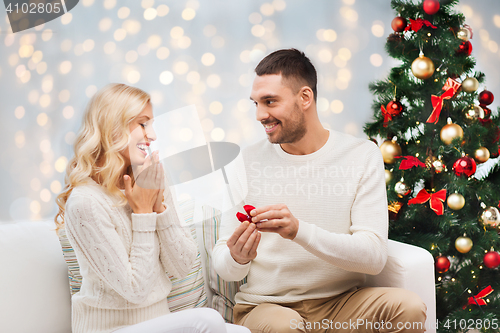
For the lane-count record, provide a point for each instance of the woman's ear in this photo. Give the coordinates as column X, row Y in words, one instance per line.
column 306, row 97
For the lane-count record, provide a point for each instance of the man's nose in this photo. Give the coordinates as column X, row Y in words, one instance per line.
column 261, row 113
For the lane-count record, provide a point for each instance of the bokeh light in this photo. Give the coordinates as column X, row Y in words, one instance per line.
column 208, row 59
column 105, row 24
column 217, row 134
column 123, row 12
column 162, row 10
column 188, row 14
column 65, row 67
column 378, row 29
column 61, row 164
column 337, row 106
column 166, row 77
column 19, row 112
column 215, row 107
column 150, row 14
column 376, row 60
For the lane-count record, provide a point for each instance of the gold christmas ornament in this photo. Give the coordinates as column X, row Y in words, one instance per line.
column 402, row 189
column 474, row 112
column 455, row 201
column 389, row 150
column 422, row 67
column 490, row 217
column 451, row 131
column 434, row 162
column 388, row 176
column 481, row 155
column 463, row 244
column 470, row 84
column 463, row 34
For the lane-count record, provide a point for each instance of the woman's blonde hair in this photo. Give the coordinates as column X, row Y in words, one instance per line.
column 102, row 136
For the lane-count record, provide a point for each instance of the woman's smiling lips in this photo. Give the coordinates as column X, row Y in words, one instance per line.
column 142, row 147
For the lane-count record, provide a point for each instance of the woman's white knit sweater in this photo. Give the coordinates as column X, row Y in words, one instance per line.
column 124, row 259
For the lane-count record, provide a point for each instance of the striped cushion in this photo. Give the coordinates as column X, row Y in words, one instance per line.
column 186, row 293
column 223, row 291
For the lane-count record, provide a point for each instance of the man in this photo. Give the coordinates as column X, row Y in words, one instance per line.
column 320, row 222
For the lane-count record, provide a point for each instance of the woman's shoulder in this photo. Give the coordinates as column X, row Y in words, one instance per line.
column 89, row 192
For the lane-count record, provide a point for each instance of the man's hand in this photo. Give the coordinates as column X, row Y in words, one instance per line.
column 279, row 220
column 243, row 243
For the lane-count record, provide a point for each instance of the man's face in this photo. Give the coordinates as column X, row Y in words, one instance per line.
column 278, row 109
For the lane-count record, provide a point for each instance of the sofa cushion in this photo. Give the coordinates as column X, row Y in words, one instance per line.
column 223, row 291
column 186, row 293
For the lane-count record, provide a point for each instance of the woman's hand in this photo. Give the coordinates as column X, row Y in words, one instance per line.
column 143, row 196
column 159, row 207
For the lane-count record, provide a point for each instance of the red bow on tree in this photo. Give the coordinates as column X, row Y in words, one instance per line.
column 437, row 200
column 409, row 162
column 450, row 83
column 417, row 24
column 437, row 104
column 478, row 299
column 387, row 115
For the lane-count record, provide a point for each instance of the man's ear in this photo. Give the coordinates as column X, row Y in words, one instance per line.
column 306, row 97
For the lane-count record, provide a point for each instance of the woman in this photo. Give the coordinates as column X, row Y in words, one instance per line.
column 124, row 236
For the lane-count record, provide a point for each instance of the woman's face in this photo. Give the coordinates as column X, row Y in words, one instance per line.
column 141, row 134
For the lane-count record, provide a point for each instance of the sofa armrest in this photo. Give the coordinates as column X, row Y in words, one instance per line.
column 411, row 268
column 34, row 287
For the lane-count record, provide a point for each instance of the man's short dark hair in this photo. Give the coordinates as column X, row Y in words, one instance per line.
column 295, row 68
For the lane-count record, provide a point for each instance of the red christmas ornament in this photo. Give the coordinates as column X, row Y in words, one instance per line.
column 393, row 109
column 442, row 264
column 242, row 217
column 399, row 24
column 464, row 166
column 492, row 259
column 486, row 97
column 465, row 48
column 487, row 111
column 431, row 7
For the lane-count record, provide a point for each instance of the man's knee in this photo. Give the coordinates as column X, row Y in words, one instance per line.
column 409, row 302
column 409, row 312
column 272, row 318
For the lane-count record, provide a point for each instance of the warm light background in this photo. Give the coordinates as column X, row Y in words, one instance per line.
column 199, row 52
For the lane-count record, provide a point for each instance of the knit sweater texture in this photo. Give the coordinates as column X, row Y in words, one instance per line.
column 337, row 193
column 124, row 259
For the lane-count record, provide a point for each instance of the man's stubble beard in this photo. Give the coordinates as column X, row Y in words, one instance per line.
column 295, row 129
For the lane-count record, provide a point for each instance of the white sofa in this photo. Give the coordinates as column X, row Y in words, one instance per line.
column 35, row 294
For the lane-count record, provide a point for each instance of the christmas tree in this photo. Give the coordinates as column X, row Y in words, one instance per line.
column 432, row 115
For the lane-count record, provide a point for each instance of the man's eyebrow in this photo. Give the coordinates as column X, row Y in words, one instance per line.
column 265, row 97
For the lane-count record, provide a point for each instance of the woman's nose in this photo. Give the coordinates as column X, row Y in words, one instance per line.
column 151, row 133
